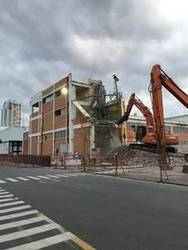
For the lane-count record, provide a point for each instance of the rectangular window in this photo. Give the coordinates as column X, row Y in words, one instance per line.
column 48, row 98
column 58, row 112
column 60, row 134
column 58, row 93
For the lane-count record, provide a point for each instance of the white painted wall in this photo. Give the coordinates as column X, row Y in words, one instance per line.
column 4, row 146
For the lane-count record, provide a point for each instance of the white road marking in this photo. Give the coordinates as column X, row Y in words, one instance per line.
column 6, row 196
column 7, row 210
column 8, row 199
column 76, row 174
column 21, row 222
column 1, row 181
column 52, row 176
column 11, row 179
column 2, row 193
column 27, row 232
column 22, row 178
column 11, row 204
column 62, row 175
column 43, row 177
column 33, row 178
column 50, row 241
column 17, row 215
column 61, row 235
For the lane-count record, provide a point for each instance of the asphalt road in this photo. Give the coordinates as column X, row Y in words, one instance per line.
column 106, row 212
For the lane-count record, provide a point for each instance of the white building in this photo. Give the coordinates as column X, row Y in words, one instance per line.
column 11, row 114
column 180, row 118
column 11, row 140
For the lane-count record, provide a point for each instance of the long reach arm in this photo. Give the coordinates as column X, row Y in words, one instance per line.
column 160, row 79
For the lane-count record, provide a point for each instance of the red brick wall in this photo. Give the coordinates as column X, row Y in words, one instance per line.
column 34, row 126
column 47, row 145
column 47, row 122
column 34, row 144
column 60, row 102
column 60, row 121
column 81, row 141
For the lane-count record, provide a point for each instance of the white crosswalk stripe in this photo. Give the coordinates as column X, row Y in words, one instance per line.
column 17, row 215
column 50, row 232
column 27, row 232
column 8, row 199
column 22, row 178
column 43, row 177
column 22, row 222
column 6, row 196
column 33, row 178
column 7, row 210
column 38, row 178
column 2, row 193
column 11, row 203
column 62, row 175
column 12, row 179
column 53, row 176
column 50, row 241
column 1, row 181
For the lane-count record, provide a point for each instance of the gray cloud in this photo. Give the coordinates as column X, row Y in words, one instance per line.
column 44, row 40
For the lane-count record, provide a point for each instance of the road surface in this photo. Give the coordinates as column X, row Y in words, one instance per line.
column 57, row 210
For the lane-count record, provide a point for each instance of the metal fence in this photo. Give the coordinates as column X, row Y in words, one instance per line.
column 145, row 167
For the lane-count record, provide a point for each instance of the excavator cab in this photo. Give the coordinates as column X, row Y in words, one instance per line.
column 140, row 133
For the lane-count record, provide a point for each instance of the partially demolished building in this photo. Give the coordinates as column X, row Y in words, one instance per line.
column 71, row 116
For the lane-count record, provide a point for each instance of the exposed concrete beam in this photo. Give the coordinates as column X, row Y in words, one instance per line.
column 81, row 109
column 80, row 84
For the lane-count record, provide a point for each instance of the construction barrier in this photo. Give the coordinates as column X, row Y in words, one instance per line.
column 68, row 161
column 10, row 159
column 138, row 166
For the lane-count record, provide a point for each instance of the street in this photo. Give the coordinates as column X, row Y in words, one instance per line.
column 61, row 210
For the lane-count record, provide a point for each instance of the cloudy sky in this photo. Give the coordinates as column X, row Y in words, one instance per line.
column 41, row 41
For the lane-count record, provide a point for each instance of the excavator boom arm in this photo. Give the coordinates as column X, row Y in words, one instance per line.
column 174, row 89
column 133, row 100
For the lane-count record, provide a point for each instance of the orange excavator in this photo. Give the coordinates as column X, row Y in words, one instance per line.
column 149, row 139
column 160, row 79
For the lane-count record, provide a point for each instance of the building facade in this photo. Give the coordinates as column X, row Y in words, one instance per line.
column 69, row 117
column 11, row 114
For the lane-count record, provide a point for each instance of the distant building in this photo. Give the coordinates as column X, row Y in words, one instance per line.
column 179, row 118
column 11, row 140
column 11, row 114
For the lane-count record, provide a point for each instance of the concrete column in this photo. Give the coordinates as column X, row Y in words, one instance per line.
column 30, row 138
column 53, row 133
column 92, row 138
column 41, row 127
column 71, row 98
